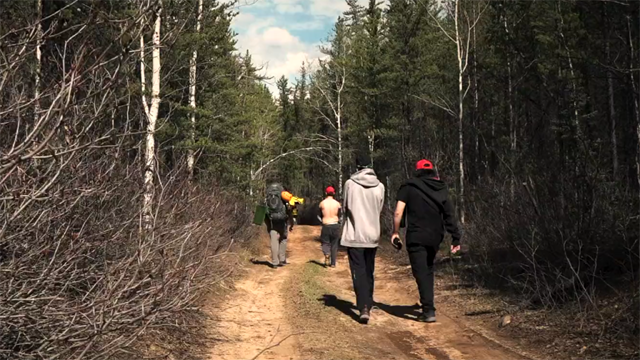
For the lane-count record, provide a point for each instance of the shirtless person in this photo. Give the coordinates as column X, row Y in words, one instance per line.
column 330, row 235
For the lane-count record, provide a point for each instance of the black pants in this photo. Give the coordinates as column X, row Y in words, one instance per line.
column 362, row 262
column 330, row 237
column 422, row 258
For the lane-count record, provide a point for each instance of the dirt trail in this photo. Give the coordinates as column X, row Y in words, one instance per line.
column 304, row 311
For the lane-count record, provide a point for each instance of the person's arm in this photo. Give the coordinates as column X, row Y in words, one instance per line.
column 397, row 219
column 321, row 215
column 345, row 203
column 289, row 217
column 451, row 225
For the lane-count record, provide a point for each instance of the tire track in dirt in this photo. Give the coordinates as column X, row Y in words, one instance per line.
column 304, row 311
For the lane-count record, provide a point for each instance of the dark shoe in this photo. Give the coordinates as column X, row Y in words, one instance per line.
column 364, row 316
column 274, row 266
column 327, row 260
column 283, row 263
column 428, row 317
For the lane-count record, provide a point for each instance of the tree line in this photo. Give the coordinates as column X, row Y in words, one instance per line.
column 529, row 109
column 131, row 133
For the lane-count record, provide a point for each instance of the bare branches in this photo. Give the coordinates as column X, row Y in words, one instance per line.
column 442, row 104
column 77, row 279
column 331, row 84
column 254, row 174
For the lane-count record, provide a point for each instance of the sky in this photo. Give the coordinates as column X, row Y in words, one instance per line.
column 282, row 34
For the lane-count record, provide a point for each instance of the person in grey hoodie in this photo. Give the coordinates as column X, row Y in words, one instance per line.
column 363, row 201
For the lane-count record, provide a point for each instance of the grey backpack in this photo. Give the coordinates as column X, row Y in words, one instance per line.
column 277, row 209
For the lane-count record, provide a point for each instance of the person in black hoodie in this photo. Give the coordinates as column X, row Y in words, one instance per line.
column 429, row 212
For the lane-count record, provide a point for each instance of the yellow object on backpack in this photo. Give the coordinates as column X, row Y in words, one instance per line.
column 292, row 200
column 286, row 196
column 295, row 200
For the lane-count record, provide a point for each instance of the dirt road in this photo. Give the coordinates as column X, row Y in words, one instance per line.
column 304, row 311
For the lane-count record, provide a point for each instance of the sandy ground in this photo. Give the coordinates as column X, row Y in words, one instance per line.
column 304, row 311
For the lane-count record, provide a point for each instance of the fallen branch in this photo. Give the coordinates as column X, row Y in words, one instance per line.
column 278, row 343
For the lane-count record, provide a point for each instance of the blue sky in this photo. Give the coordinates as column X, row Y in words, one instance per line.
column 281, row 34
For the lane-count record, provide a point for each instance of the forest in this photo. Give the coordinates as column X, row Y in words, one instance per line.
column 136, row 138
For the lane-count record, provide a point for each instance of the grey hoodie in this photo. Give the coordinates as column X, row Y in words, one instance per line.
column 363, row 200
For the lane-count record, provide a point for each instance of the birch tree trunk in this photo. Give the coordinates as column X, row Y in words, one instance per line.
column 612, row 109
column 636, row 103
column 338, row 115
column 476, row 105
column 333, row 97
column 574, row 89
column 461, row 95
column 339, row 125
column 612, row 116
column 36, row 80
column 513, row 132
column 462, row 40
column 192, row 97
column 152, row 117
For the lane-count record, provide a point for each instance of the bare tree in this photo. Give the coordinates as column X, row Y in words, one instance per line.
column 36, row 85
column 461, row 36
column 152, row 117
column 331, row 86
column 192, row 96
column 635, row 62
column 77, row 279
column 577, row 132
column 513, row 133
column 611, row 99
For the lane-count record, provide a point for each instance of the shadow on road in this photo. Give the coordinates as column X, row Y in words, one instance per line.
column 316, row 262
column 409, row 312
column 346, row 307
column 260, row 262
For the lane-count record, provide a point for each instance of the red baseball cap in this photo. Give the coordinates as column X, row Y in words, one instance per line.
column 424, row 164
column 330, row 190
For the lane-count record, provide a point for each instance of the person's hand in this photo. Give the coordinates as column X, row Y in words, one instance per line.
column 394, row 236
column 455, row 249
column 396, row 242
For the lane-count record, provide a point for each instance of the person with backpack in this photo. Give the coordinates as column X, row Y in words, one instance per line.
column 279, row 224
column 330, row 235
column 363, row 201
column 429, row 212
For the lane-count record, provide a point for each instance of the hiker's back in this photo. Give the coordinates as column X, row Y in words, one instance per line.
column 364, row 198
column 429, row 211
column 423, row 214
column 275, row 204
column 330, row 210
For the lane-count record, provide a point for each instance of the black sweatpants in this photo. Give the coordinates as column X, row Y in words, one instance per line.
column 330, row 237
column 362, row 262
column 422, row 258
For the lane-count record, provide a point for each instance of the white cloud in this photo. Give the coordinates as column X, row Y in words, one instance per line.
column 314, row 24
column 264, row 26
column 276, row 50
column 248, row 21
column 288, row 6
column 334, row 8
column 328, row 8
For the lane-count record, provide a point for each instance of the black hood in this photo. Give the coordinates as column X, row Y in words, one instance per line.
column 434, row 184
column 437, row 188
